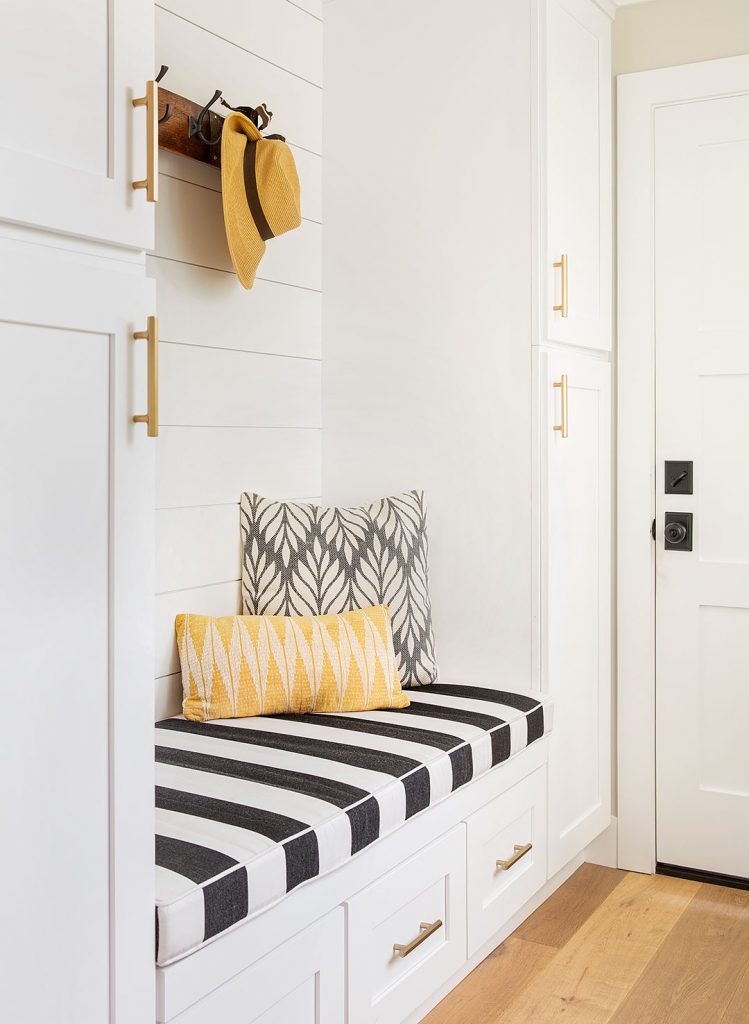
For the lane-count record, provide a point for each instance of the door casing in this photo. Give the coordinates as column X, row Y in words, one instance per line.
column 639, row 95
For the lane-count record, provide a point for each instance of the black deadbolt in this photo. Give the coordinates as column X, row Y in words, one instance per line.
column 678, row 478
column 677, row 533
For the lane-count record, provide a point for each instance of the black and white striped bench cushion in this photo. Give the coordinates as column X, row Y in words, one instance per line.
column 249, row 808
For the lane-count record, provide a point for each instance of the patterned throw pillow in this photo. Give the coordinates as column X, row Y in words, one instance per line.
column 311, row 560
column 238, row 666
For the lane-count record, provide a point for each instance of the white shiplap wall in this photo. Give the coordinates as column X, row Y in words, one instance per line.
column 240, row 371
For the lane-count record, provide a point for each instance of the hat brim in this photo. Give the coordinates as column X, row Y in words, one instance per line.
column 246, row 246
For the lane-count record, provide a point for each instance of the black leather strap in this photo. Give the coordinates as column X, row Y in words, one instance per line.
column 253, row 197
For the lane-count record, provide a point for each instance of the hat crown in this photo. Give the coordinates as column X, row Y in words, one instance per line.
column 278, row 185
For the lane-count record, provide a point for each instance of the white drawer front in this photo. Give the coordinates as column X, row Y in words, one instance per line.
column 502, row 831
column 385, row 986
column 301, row 981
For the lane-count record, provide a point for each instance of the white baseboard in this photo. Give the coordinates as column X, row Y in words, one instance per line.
column 533, row 904
column 604, row 848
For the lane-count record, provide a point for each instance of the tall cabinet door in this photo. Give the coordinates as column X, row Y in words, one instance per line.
column 74, row 143
column 576, row 608
column 576, row 139
column 76, row 539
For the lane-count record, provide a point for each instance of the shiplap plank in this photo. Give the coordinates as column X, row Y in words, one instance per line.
column 206, row 466
column 200, row 63
column 167, row 697
column 308, row 165
column 197, row 546
column 190, row 228
column 207, row 307
column 313, row 7
column 221, row 599
column 218, row 388
column 273, row 29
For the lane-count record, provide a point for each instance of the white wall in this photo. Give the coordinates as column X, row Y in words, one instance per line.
column 662, row 33
column 240, row 371
column 427, row 318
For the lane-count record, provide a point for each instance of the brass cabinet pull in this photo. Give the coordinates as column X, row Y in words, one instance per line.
column 562, row 307
column 520, row 851
column 151, row 102
column 563, row 427
column 425, row 930
column 151, row 335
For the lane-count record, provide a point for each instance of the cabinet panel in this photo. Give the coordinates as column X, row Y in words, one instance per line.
column 576, row 599
column 500, row 831
column 577, row 119
column 68, row 162
column 301, row 981
column 420, row 905
column 76, row 539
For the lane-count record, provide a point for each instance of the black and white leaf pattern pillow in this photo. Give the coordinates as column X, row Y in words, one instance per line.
column 312, row 560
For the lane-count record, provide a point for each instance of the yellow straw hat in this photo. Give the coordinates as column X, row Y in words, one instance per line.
column 260, row 188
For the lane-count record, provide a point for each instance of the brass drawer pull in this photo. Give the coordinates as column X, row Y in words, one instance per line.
column 564, row 426
column 151, row 102
column 520, row 851
column 425, row 930
column 151, row 418
column 563, row 307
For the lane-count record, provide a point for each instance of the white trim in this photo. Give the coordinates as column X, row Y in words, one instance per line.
column 639, row 95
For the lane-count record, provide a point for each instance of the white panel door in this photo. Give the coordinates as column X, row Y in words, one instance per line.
column 576, row 602
column 74, row 144
column 76, row 538
column 702, row 415
column 577, row 119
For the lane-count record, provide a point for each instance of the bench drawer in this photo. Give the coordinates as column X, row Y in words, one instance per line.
column 419, row 906
column 301, row 981
column 511, row 830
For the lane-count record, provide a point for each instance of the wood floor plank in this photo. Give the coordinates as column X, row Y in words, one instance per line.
column 493, row 984
column 591, row 975
column 557, row 920
column 695, row 973
column 737, row 1011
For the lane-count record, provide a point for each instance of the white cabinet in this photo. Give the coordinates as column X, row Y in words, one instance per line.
column 575, row 119
column 75, row 144
column 576, row 595
column 506, row 857
column 407, row 933
column 300, row 982
column 76, row 539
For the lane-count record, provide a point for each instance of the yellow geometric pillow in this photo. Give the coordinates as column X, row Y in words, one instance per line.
column 243, row 665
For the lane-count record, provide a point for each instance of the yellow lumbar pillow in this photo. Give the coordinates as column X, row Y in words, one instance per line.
column 242, row 665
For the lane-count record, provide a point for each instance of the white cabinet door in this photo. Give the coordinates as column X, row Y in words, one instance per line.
column 76, row 538
column 576, row 599
column 74, row 143
column 576, row 119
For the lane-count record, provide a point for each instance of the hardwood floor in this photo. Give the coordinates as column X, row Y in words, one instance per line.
column 613, row 947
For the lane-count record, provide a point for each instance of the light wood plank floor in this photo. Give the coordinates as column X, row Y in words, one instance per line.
column 613, row 946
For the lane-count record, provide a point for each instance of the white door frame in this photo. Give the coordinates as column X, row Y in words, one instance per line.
column 639, row 95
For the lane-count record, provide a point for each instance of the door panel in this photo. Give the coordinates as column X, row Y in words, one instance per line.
column 76, row 612
column 576, row 564
column 578, row 171
column 68, row 160
column 54, row 550
column 702, row 398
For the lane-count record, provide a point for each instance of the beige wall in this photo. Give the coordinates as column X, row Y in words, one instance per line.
column 661, row 33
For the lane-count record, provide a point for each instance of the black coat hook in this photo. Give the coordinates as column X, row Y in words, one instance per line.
column 260, row 116
column 168, row 111
column 195, row 124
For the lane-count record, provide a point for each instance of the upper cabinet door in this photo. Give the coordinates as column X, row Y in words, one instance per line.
column 74, row 143
column 576, row 138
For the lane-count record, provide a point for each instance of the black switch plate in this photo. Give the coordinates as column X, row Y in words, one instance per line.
column 679, row 520
column 678, row 478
